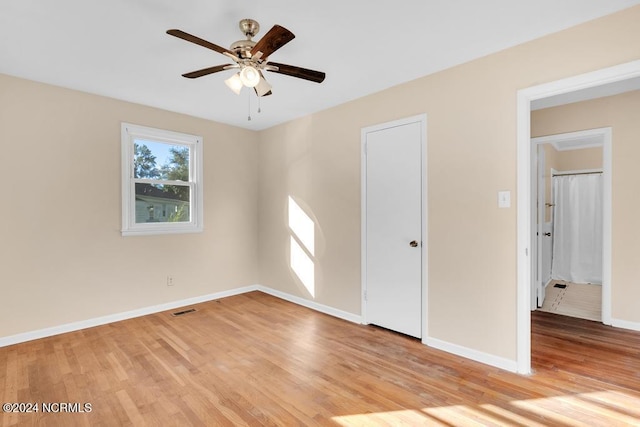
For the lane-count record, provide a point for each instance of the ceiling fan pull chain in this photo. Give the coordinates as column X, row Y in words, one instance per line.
column 249, row 99
column 259, row 109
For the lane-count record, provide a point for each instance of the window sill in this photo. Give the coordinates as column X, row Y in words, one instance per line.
column 154, row 231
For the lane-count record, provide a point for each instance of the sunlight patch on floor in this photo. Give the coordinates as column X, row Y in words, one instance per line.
column 566, row 410
column 406, row 417
column 596, row 405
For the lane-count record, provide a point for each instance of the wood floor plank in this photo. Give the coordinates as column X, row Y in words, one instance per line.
column 254, row 359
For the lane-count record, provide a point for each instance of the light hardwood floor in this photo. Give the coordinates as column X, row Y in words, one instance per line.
column 253, row 359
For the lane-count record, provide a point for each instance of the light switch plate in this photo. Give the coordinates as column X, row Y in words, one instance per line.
column 504, row 199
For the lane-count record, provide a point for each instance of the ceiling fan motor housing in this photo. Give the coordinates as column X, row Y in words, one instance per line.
column 242, row 48
column 249, row 27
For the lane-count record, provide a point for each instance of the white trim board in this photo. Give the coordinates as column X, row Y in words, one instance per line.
column 524, row 99
column 625, row 324
column 458, row 350
column 311, row 304
column 112, row 318
column 572, row 140
column 475, row 355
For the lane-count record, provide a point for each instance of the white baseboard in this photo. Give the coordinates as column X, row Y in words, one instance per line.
column 478, row 356
column 97, row 321
column 625, row 324
column 312, row 305
column 89, row 323
column 499, row 362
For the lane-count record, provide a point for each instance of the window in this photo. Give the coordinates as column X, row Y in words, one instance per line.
column 161, row 181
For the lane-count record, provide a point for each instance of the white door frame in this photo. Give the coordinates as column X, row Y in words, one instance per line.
column 537, row 251
column 603, row 135
column 524, row 260
column 422, row 119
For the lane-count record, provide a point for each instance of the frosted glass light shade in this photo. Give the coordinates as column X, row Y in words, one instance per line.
column 263, row 87
column 234, row 83
column 249, row 76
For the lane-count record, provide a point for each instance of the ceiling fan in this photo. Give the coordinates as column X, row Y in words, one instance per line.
column 251, row 58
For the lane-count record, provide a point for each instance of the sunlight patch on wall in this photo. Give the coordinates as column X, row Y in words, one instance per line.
column 302, row 242
column 301, row 225
column 303, row 266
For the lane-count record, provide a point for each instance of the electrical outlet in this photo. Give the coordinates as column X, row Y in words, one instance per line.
column 170, row 280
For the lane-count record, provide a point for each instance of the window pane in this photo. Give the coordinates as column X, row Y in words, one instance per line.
column 156, row 160
column 162, row 203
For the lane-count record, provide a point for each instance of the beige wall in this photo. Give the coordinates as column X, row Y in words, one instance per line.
column 621, row 113
column 62, row 258
column 471, row 155
column 585, row 158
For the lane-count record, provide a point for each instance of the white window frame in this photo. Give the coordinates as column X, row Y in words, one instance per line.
column 131, row 132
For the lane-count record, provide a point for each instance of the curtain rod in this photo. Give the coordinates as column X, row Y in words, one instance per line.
column 575, row 173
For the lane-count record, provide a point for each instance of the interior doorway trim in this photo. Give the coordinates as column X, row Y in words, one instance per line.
column 524, row 176
column 422, row 119
column 603, row 136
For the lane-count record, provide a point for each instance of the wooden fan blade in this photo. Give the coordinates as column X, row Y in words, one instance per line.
column 275, row 38
column 197, row 40
column 301, row 73
column 206, row 71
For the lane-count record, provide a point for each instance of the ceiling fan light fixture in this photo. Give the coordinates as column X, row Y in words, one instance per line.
column 250, row 58
column 263, row 87
column 234, row 83
column 249, row 76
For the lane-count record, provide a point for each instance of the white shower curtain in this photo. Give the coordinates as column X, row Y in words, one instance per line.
column 577, row 223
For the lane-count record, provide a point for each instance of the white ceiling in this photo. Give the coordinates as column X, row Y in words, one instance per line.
column 119, row 48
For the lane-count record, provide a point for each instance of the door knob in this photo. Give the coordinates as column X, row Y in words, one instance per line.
column 547, row 234
column 413, row 244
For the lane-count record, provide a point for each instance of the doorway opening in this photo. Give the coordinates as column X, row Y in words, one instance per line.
column 570, row 200
column 585, row 86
